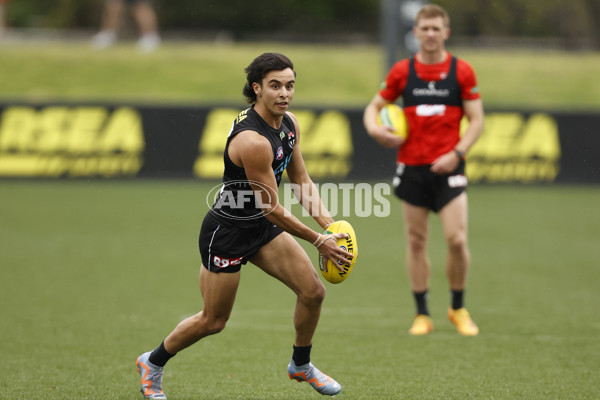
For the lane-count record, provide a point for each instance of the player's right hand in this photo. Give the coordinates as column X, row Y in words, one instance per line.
column 384, row 135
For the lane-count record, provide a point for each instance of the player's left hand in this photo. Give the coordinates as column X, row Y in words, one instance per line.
column 445, row 164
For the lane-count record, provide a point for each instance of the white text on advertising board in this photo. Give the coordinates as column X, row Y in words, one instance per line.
column 76, row 141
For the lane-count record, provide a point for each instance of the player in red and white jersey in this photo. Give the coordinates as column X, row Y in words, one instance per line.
column 437, row 90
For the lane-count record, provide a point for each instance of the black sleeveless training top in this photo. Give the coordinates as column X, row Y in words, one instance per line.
column 236, row 201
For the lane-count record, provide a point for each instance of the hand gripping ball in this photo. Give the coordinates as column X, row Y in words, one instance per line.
column 330, row 271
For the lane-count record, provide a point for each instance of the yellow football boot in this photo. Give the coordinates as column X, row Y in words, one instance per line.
column 422, row 325
column 462, row 320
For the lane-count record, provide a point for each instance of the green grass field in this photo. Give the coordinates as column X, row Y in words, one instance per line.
column 95, row 273
column 343, row 75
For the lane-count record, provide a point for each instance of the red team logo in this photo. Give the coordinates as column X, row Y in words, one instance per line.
column 291, row 139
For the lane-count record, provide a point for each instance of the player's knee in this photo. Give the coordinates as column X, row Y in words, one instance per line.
column 457, row 242
column 217, row 325
column 417, row 242
column 319, row 293
column 211, row 325
column 314, row 295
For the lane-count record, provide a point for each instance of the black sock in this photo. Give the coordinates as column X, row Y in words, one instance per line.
column 457, row 299
column 301, row 355
column 160, row 356
column 421, row 300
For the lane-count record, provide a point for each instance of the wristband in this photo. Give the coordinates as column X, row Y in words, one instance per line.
column 325, row 237
column 316, row 240
column 460, row 154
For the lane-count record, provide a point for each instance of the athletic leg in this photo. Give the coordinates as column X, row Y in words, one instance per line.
column 284, row 259
column 454, row 223
column 416, row 220
column 218, row 293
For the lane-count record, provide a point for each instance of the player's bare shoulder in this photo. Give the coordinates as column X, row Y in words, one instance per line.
column 251, row 141
column 249, row 146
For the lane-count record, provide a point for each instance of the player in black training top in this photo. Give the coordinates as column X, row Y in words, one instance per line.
column 247, row 223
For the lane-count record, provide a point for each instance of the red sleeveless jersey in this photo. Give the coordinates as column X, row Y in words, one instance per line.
column 432, row 97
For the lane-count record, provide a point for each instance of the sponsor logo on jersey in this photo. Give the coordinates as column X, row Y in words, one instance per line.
column 429, row 110
column 279, row 155
column 431, row 91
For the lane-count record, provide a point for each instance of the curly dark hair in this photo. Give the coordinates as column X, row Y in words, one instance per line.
column 261, row 66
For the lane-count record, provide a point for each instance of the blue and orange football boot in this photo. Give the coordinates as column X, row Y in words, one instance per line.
column 151, row 376
column 318, row 380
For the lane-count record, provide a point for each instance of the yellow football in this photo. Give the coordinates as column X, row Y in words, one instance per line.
column 330, row 271
column 393, row 115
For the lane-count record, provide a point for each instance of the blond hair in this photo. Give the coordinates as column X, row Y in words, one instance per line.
column 433, row 11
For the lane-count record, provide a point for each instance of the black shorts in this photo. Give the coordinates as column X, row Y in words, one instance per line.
column 418, row 186
column 226, row 246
